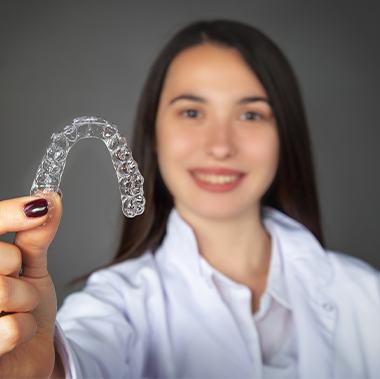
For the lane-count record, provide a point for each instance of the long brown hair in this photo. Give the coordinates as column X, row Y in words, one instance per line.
column 293, row 190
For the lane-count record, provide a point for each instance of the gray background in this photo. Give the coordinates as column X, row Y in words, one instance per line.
column 59, row 60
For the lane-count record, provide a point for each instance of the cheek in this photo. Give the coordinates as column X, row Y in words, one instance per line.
column 175, row 145
column 263, row 149
column 174, row 150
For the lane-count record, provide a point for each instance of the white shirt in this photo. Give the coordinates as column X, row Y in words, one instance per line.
column 171, row 315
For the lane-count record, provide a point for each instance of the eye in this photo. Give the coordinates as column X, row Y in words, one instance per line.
column 252, row 116
column 190, row 113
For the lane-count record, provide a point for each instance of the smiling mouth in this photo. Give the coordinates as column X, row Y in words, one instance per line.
column 216, row 179
column 217, row 183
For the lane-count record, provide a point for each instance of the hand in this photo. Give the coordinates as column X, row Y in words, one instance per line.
column 29, row 301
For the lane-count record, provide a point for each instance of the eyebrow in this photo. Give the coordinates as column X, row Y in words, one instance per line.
column 244, row 100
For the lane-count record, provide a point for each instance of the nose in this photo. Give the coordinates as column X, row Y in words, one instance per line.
column 219, row 141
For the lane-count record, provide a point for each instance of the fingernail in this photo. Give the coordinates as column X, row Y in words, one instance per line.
column 36, row 208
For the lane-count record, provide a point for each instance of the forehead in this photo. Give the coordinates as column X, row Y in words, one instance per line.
column 211, row 68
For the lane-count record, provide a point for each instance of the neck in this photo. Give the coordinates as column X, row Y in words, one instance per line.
column 238, row 246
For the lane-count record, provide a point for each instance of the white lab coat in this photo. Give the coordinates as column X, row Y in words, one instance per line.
column 158, row 315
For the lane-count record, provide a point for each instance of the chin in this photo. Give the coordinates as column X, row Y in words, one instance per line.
column 218, row 211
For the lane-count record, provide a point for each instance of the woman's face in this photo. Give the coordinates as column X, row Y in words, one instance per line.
column 207, row 121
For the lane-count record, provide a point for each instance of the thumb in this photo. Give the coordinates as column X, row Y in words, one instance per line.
column 34, row 243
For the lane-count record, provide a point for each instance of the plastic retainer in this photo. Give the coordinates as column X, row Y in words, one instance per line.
column 49, row 172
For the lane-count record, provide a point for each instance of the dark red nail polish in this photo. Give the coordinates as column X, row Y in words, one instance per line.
column 36, row 208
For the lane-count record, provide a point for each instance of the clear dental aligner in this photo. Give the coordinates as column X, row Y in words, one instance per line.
column 49, row 172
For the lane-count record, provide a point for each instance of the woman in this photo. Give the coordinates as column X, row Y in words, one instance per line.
column 225, row 275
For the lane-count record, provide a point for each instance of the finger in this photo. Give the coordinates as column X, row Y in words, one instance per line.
column 16, row 329
column 10, row 259
column 17, row 295
column 13, row 217
column 34, row 243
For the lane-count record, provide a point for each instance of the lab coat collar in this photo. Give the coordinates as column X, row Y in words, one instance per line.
column 297, row 245
column 307, row 272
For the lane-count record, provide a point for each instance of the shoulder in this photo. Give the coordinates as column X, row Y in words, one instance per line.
column 120, row 287
column 351, row 265
column 355, row 276
column 133, row 272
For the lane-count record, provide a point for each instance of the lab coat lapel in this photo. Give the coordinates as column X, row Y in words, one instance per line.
column 307, row 273
column 315, row 327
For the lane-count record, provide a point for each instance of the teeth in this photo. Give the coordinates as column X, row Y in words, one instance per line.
column 216, row 179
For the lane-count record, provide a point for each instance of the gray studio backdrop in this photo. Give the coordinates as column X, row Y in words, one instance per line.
column 63, row 59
